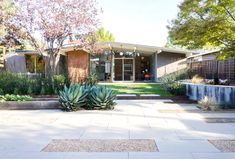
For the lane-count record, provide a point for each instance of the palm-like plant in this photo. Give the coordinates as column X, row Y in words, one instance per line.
column 102, row 97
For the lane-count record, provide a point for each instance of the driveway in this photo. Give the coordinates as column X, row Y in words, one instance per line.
column 177, row 131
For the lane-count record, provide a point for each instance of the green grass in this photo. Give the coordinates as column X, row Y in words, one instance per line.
column 132, row 88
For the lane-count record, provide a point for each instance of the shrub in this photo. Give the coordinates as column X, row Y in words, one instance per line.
column 208, row 104
column 1, row 92
column 13, row 97
column 11, row 83
column 197, row 79
column 176, row 88
column 173, row 86
column 102, row 97
column 59, row 82
column 171, row 82
column 73, row 98
column 91, row 80
column 30, row 91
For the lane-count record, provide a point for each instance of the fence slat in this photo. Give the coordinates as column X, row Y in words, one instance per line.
column 209, row 69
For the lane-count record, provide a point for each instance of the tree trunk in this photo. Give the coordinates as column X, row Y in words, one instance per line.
column 51, row 63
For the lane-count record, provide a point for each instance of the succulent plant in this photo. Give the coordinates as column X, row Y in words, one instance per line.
column 102, row 97
column 73, row 98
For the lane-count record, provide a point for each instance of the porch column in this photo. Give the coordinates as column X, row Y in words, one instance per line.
column 112, row 67
column 155, row 67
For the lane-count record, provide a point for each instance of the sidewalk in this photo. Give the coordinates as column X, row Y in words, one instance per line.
column 177, row 134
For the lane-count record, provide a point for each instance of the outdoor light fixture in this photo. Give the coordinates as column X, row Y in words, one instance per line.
column 134, row 49
column 159, row 51
column 110, row 46
column 121, row 53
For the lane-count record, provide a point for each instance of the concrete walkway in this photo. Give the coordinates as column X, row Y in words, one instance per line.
column 178, row 134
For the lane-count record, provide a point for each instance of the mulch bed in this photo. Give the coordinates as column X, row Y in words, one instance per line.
column 224, row 145
column 97, row 145
column 219, row 120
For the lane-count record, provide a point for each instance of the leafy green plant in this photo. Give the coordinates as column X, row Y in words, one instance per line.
column 174, row 87
column 91, row 80
column 12, row 83
column 16, row 91
column 102, row 97
column 172, row 83
column 1, row 92
column 29, row 91
column 59, row 81
column 42, row 92
column 73, row 98
column 12, row 97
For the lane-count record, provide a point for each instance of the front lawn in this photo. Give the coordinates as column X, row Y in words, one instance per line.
column 140, row 88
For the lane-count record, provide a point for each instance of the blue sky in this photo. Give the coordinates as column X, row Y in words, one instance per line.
column 138, row 21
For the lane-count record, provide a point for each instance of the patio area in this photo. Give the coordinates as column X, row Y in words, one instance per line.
column 173, row 131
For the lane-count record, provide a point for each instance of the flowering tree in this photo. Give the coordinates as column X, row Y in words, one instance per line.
column 47, row 24
column 7, row 10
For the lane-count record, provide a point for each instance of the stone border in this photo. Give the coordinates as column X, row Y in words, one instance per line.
column 29, row 105
column 53, row 103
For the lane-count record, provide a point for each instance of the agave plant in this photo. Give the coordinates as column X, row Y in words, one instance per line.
column 102, row 98
column 73, row 97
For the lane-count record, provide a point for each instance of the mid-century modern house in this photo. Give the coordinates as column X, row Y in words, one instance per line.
column 118, row 62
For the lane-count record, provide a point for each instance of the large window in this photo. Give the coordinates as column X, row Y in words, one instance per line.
column 34, row 64
column 101, row 65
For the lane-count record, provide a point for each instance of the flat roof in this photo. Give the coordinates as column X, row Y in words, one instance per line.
column 118, row 46
column 204, row 53
column 26, row 51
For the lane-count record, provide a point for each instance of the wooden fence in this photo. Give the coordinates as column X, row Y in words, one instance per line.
column 211, row 68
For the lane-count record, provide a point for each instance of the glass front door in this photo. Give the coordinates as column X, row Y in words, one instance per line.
column 124, row 69
column 128, row 70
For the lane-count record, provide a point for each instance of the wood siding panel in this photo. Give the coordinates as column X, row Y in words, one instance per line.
column 168, row 63
column 78, row 65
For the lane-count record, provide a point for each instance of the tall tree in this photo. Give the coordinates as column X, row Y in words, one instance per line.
column 104, row 36
column 47, row 24
column 205, row 24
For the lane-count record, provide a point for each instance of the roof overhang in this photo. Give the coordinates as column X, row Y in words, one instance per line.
column 27, row 52
column 205, row 53
column 145, row 49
